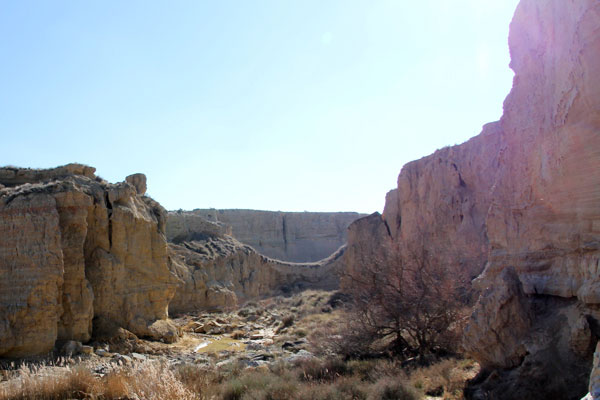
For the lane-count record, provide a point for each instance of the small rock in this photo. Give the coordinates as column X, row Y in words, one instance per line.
column 224, row 362
column 254, row 346
column 103, row 353
column 71, row 348
column 138, row 357
column 300, row 356
column 120, row 359
column 87, row 350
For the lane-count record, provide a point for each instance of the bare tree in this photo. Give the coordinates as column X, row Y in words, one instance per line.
column 406, row 297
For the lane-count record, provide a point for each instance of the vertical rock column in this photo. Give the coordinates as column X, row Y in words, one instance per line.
column 31, row 269
column 77, row 297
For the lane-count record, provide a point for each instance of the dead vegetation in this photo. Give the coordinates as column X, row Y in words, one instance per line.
column 295, row 358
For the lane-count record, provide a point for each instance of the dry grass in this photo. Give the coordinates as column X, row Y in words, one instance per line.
column 148, row 380
column 50, row 383
column 445, row 379
column 324, row 377
column 316, row 379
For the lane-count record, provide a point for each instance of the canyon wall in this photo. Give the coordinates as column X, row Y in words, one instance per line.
column 218, row 272
column 79, row 255
column 521, row 204
column 289, row 236
column 77, row 252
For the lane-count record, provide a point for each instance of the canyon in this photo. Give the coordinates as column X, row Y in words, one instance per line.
column 516, row 210
column 81, row 257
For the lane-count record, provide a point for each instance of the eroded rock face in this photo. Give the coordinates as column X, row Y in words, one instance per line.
column 523, row 200
column 218, row 272
column 289, row 236
column 76, row 251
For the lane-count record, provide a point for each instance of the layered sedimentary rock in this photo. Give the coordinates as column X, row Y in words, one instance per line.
column 77, row 252
column 289, row 236
column 522, row 199
column 219, row 272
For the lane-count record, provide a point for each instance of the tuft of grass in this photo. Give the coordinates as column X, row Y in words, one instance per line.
column 238, row 334
column 49, row 383
column 389, row 388
column 326, row 370
column 148, row 380
column 447, row 378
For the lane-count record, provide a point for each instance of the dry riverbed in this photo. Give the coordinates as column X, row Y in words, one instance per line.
column 266, row 349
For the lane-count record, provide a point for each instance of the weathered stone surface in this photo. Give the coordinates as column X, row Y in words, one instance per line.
column 219, row 272
column 368, row 239
column 289, row 236
column 75, row 250
column 77, row 297
column 546, row 194
column 138, row 181
column 523, row 200
column 13, row 176
column 183, row 226
column 31, row 274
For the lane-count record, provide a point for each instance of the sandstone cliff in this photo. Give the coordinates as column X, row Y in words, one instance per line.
column 289, row 236
column 219, row 272
column 77, row 252
column 522, row 199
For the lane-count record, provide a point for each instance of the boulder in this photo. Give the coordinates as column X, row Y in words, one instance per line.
column 138, row 181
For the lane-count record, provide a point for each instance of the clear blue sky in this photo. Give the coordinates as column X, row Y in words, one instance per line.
column 268, row 104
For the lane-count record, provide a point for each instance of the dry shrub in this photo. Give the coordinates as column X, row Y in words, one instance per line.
column 343, row 337
column 154, row 380
column 447, row 377
column 199, row 380
column 238, row 334
column 259, row 386
column 389, row 388
column 405, row 296
column 287, row 321
column 352, row 388
column 322, row 370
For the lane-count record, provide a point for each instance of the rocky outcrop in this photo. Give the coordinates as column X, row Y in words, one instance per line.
column 189, row 226
column 218, row 272
column 77, row 252
column 522, row 199
column 289, row 236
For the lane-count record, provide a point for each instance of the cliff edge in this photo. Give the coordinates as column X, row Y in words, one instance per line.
column 520, row 204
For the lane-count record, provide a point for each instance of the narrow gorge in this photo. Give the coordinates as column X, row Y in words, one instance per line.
column 514, row 211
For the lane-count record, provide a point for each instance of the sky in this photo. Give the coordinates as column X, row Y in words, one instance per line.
column 308, row 105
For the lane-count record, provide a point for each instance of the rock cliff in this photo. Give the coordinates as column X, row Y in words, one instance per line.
column 219, row 272
column 289, row 236
column 520, row 202
column 77, row 252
